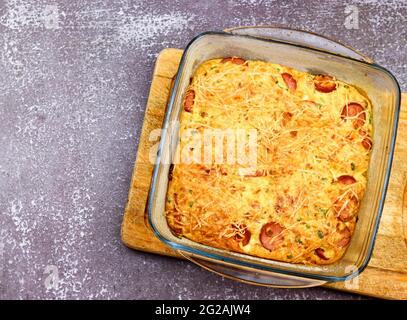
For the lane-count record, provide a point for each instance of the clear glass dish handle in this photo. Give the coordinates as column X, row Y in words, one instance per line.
column 250, row 276
column 300, row 37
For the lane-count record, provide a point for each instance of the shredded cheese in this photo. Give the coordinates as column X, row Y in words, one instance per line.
column 310, row 171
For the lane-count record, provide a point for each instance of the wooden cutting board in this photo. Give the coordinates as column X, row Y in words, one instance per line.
column 386, row 274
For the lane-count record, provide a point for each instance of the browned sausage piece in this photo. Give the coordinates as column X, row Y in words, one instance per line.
column 352, row 110
column 270, row 235
column 346, row 180
column 345, row 237
column 189, row 100
column 367, row 141
column 243, row 237
column 289, row 81
column 234, row 60
column 324, row 83
column 346, row 208
column 321, row 253
column 286, row 117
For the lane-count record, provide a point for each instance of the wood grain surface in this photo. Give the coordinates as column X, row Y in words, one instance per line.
column 386, row 274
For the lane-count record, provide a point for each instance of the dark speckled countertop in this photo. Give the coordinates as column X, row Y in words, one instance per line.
column 74, row 80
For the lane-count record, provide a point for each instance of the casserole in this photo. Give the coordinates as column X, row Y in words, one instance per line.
column 380, row 86
column 309, row 158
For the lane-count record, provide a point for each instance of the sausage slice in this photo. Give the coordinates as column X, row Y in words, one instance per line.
column 346, row 208
column 189, row 100
column 354, row 110
column 243, row 237
column 324, row 83
column 346, row 180
column 270, row 235
column 345, row 237
column 321, row 253
column 234, row 60
column 289, row 81
column 366, row 141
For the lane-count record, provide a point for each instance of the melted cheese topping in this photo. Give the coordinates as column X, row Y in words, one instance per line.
column 300, row 204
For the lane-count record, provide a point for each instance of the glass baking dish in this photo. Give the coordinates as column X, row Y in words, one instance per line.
column 307, row 52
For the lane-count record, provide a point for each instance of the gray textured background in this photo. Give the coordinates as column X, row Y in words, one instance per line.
column 74, row 79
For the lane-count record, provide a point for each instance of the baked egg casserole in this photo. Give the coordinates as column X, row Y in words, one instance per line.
column 299, row 202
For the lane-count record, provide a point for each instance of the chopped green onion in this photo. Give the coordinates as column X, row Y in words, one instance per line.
column 323, row 211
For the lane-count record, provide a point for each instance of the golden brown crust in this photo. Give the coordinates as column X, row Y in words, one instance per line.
column 300, row 203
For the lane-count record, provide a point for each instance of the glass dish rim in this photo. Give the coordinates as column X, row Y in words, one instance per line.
column 217, row 257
